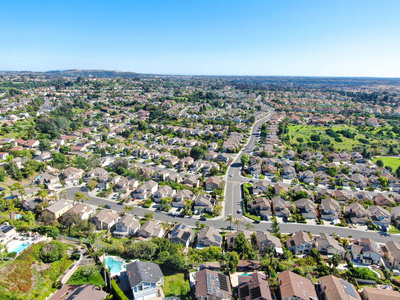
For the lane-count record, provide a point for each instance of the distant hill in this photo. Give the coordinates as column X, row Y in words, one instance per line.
column 92, row 73
column 237, row 80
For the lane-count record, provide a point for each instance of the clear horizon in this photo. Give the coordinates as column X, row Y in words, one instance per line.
column 225, row 38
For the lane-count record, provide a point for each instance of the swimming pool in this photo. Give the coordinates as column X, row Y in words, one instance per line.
column 19, row 248
column 114, row 265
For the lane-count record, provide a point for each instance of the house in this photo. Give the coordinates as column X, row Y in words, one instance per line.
column 358, row 214
column 181, row 196
column 288, row 172
column 266, row 241
column 79, row 292
column 127, row 226
column 396, row 215
column 333, row 288
column 99, row 174
column 341, row 196
column 379, row 216
column 72, row 175
column 163, row 192
column 204, row 202
column 307, row 176
column 260, row 187
column 307, row 208
column 260, row 207
column 105, row 219
column 145, row 190
column 212, row 285
column 281, row 207
column 191, row 181
column 230, row 238
column 299, row 243
column 359, row 180
column 327, row 245
column 254, row 286
column 366, row 251
column 212, row 183
column 383, row 200
column 295, row 287
column 392, row 256
column 151, row 229
column 51, row 182
column 7, row 233
column 145, row 280
column 59, row 208
column 330, row 209
column 209, row 236
column 181, row 234
column 370, row 293
column 82, row 210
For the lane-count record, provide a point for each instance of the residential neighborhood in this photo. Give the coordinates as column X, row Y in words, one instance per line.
column 162, row 188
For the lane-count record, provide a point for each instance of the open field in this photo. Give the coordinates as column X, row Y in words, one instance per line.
column 391, row 161
column 362, row 138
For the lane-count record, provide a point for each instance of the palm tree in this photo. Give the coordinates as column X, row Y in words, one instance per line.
column 229, row 218
column 129, row 208
column 80, row 197
column 237, row 224
column 63, row 194
column 249, row 226
column 42, row 194
column 275, row 226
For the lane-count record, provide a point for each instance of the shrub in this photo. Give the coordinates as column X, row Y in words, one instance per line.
column 51, row 231
column 52, row 252
column 148, row 203
column 117, row 293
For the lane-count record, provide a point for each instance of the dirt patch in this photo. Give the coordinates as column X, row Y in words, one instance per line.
column 41, row 267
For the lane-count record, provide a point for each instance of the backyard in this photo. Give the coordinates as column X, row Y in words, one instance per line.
column 79, row 277
column 175, row 284
column 27, row 277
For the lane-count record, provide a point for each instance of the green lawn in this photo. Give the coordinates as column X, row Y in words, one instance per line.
column 175, row 284
column 95, row 278
column 376, row 136
column 304, row 131
column 391, row 161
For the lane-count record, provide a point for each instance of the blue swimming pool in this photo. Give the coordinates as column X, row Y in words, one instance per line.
column 19, row 248
column 114, row 265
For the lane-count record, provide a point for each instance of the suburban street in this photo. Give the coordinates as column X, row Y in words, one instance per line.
column 233, row 203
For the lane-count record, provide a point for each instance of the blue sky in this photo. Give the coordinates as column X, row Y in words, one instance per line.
column 247, row 37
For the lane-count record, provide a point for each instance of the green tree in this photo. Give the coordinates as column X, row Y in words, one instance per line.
column 244, row 160
column 379, row 163
column 229, row 218
column 64, row 149
column 275, row 226
column 232, row 260
column 197, row 153
column 176, row 262
column 52, row 252
column 69, row 219
column 80, row 197
column 129, row 208
column 44, row 145
column 149, row 216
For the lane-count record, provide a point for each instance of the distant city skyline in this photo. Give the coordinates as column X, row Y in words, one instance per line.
column 268, row 38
